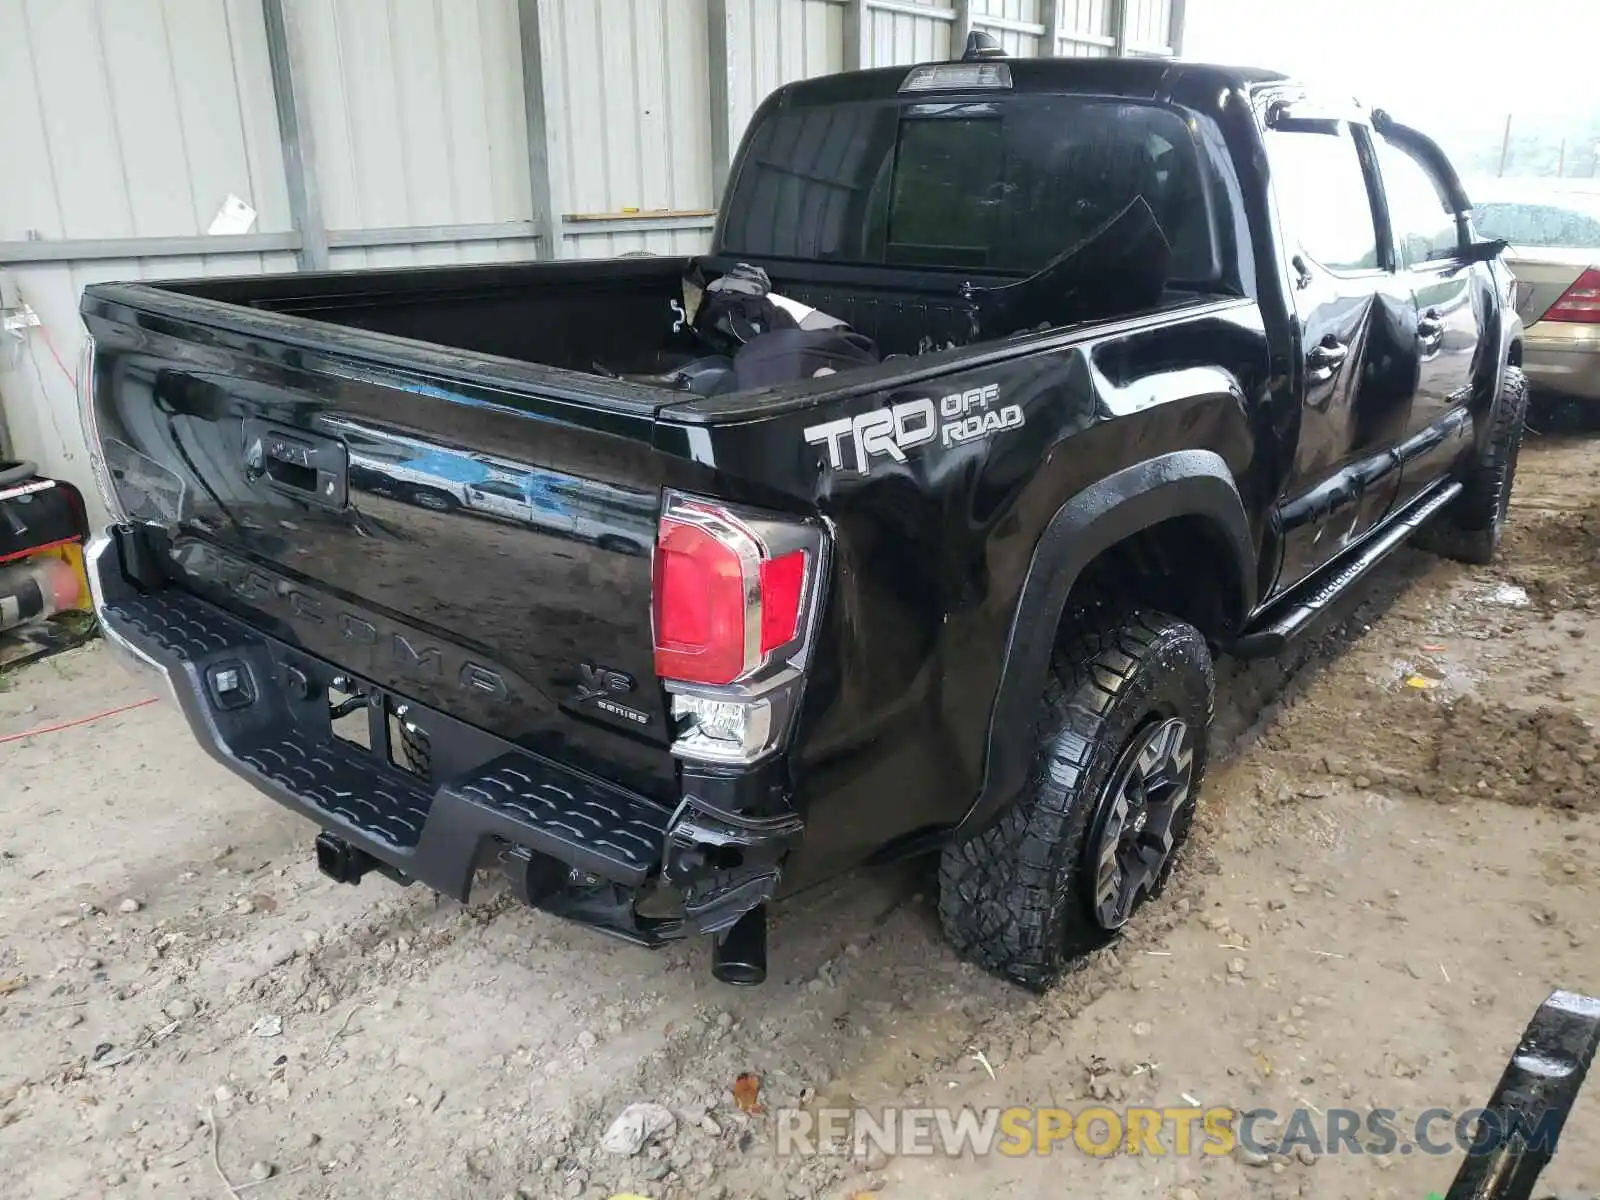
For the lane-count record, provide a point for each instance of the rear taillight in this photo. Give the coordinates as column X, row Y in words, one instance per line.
column 701, row 603
column 735, row 597
column 1580, row 302
column 782, row 586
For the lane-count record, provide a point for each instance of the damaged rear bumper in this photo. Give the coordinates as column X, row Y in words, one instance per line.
column 572, row 844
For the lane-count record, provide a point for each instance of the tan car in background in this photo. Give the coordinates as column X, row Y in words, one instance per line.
column 1553, row 228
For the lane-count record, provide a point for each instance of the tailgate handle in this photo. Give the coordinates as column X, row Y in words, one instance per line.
column 310, row 468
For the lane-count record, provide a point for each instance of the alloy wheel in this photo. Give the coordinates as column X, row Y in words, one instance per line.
column 1138, row 818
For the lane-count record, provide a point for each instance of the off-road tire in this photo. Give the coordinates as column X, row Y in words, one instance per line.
column 432, row 499
column 616, row 544
column 1016, row 897
column 1469, row 529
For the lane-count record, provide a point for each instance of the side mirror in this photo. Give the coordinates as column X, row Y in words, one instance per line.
column 1475, row 252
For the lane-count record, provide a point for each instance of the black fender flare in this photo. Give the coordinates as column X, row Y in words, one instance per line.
column 1505, row 335
column 1186, row 483
column 1510, row 339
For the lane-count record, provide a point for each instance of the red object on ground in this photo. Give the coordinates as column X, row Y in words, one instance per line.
column 57, row 728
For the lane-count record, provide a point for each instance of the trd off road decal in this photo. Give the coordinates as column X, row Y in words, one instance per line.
column 954, row 420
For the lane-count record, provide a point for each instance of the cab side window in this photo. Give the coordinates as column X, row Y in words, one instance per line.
column 1323, row 198
column 1425, row 229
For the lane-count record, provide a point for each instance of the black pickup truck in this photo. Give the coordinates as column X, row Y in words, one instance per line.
column 475, row 569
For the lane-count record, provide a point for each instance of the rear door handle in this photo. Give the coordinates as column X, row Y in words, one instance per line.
column 1327, row 356
column 311, row 468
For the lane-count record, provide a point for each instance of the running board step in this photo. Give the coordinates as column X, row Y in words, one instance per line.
column 1295, row 612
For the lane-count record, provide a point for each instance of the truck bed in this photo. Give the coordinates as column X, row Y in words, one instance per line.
column 603, row 318
column 568, row 315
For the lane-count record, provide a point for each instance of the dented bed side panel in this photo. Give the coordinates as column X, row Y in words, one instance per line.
column 937, row 486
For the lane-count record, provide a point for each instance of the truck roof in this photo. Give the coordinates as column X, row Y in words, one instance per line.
column 1135, row 78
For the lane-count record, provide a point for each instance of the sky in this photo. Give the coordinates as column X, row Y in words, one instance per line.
column 1472, row 58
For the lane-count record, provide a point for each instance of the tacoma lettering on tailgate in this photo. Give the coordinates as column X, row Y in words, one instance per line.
column 378, row 646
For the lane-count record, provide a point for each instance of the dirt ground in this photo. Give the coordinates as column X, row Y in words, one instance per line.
column 1386, row 880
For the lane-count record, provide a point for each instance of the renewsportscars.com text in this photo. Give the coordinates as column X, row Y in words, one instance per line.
column 1101, row 1131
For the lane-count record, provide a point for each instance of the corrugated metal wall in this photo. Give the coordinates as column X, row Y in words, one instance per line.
column 897, row 35
column 1149, row 29
column 125, row 124
column 629, row 77
column 773, row 42
column 1088, row 28
column 416, row 113
column 134, row 119
column 1009, row 17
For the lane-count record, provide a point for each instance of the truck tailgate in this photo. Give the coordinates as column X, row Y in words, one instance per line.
column 446, row 533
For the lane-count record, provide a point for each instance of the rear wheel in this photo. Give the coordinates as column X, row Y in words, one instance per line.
column 619, row 545
column 1121, row 755
column 1469, row 530
column 433, row 499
